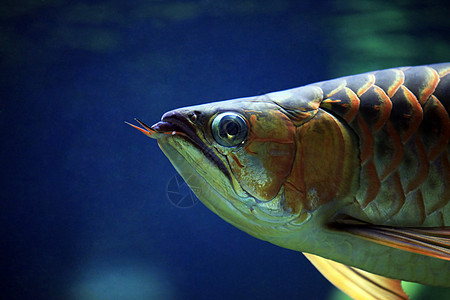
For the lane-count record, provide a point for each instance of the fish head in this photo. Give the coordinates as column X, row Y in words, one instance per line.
column 236, row 156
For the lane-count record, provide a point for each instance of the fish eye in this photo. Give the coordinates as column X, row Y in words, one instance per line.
column 229, row 129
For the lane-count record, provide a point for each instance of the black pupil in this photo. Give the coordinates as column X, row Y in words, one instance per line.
column 231, row 127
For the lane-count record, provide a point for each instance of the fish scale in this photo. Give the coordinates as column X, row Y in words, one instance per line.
column 403, row 129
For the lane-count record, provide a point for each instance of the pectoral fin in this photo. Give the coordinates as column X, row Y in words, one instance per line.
column 431, row 241
column 357, row 283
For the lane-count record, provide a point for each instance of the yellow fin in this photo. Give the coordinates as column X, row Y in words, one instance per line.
column 430, row 241
column 357, row 283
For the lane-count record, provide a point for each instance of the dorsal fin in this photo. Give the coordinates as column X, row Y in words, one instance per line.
column 357, row 283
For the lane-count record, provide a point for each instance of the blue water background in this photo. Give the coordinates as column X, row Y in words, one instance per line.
column 84, row 212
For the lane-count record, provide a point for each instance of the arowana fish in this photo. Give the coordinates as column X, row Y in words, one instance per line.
column 353, row 172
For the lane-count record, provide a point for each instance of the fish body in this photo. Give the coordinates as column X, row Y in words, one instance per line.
column 354, row 172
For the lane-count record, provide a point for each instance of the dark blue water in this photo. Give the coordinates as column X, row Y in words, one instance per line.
column 84, row 209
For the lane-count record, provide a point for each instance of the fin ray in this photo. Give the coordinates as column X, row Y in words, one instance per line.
column 431, row 241
column 357, row 283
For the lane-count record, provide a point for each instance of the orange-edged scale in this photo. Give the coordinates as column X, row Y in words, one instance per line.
column 354, row 172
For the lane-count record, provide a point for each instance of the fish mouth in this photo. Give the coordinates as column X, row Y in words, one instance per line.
column 174, row 124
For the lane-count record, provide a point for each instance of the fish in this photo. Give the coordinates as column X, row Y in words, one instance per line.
column 353, row 172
